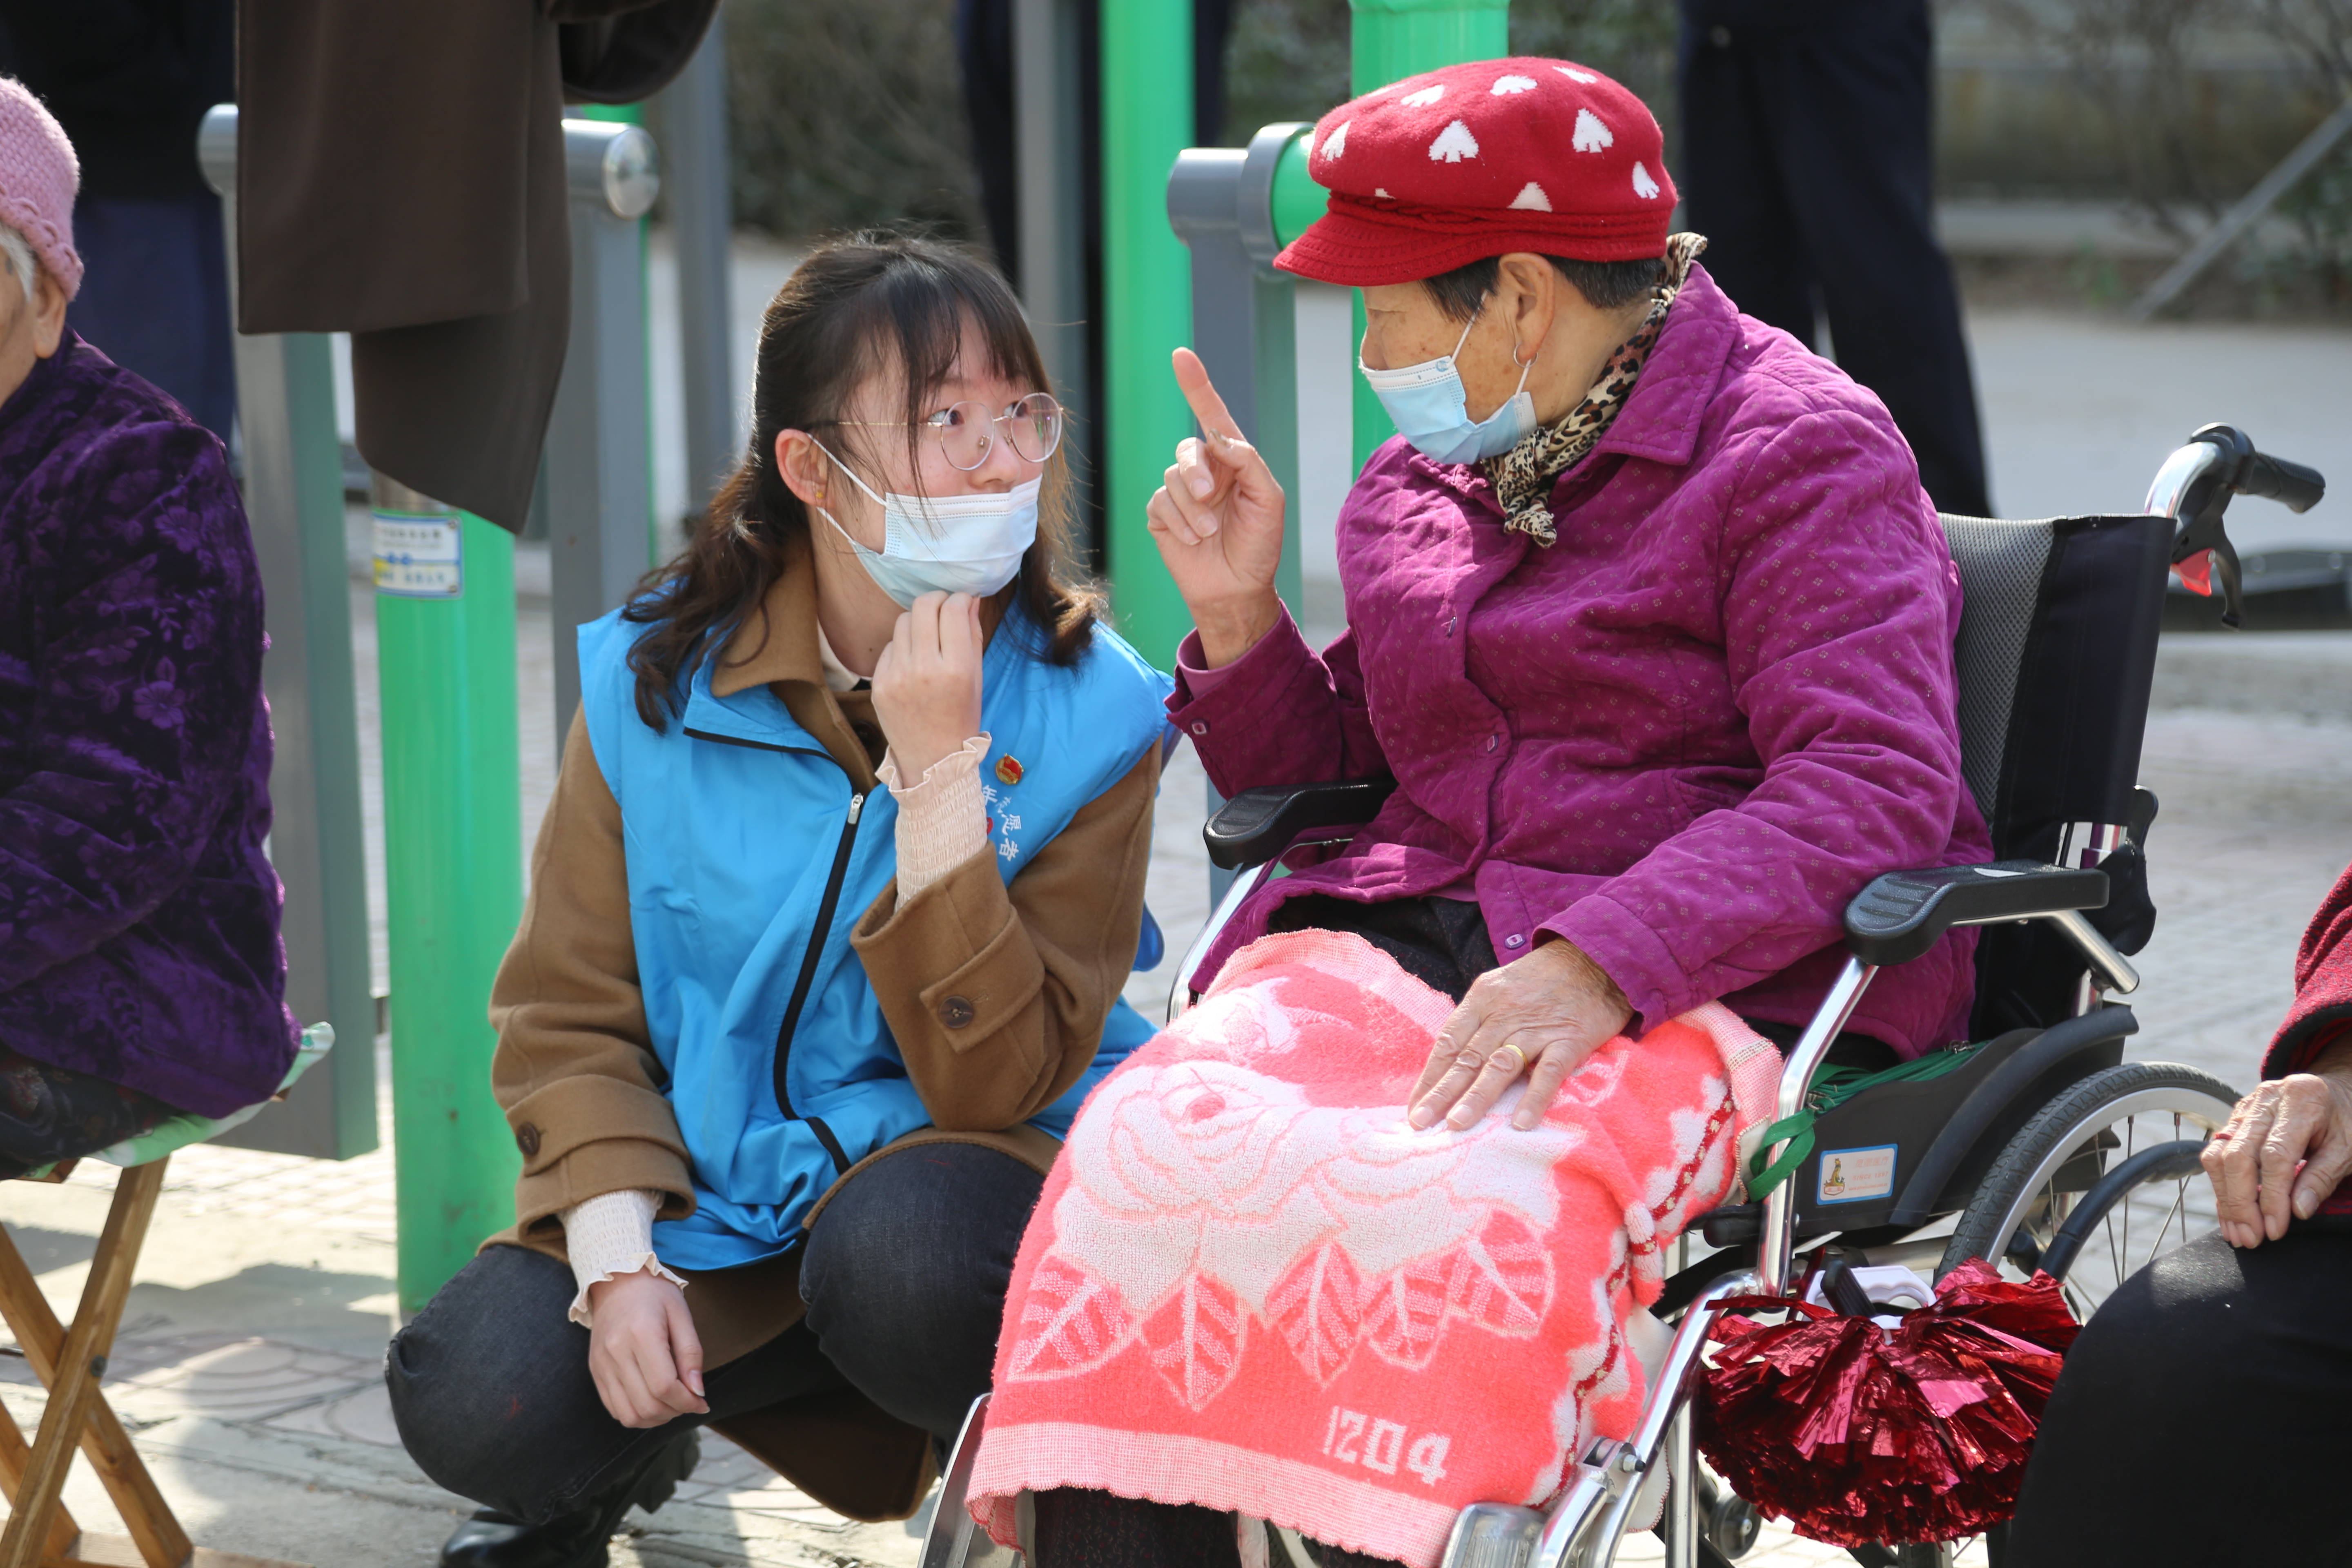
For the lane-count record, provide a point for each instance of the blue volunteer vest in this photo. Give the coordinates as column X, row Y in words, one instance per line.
column 751, row 857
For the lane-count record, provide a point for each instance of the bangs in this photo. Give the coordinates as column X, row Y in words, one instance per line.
column 912, row 321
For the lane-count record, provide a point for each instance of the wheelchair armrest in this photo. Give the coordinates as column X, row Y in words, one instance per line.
column 1257, row 824
column 1899, row 915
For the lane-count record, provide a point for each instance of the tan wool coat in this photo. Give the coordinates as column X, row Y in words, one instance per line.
column 1043, row 959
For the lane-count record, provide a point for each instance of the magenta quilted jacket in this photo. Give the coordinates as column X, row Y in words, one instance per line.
column 1680, row 738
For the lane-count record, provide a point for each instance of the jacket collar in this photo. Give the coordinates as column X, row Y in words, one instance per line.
column 777, row 641
column 767, row 684
column 1662, row 416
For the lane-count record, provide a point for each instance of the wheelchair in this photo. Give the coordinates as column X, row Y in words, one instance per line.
column 2037, row 1147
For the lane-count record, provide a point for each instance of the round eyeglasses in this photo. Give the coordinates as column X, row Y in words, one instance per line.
column 966, row 431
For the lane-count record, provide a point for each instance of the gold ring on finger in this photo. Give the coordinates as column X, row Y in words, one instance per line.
column 1514, row 1050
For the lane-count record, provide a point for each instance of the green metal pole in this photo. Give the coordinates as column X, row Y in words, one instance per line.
column 1147, row 120
column 453, row 860
column 1392, row 40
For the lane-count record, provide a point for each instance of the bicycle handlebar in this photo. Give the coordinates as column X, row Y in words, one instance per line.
column 2294, row 486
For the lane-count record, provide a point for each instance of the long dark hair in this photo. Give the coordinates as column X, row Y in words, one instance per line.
column 858, row 307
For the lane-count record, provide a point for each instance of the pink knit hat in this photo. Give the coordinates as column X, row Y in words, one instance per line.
column 38, row 176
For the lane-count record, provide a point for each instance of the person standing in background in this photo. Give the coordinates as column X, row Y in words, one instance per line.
column 1808, row 162
column 984, row 48
column 131, row 80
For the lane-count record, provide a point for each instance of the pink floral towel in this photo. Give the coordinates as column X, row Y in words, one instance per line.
column 1250, row 1285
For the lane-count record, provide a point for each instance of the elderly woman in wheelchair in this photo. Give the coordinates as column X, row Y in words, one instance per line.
column 1657, row 686
column 1651, row 627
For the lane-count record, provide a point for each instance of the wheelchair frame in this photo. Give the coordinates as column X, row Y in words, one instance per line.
column 1895, row 918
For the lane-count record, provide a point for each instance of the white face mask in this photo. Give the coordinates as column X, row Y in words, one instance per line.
column 949, row 544
column 1431, row 408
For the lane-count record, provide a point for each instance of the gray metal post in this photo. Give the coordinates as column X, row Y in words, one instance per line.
column 1205, row 210
column 294, row 503
column 599, row 464
column 694, row 128
column 1221, row 204
column 1047, row 144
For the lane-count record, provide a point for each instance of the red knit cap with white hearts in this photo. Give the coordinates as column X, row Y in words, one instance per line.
column 38, row 177
column 1448, row 167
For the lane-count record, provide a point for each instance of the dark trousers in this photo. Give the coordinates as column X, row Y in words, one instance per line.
column 983, row 34
column 1807, row 162
column 52, row 1113
column 2200, row 1414
column 154, row 296
column 904, row 1278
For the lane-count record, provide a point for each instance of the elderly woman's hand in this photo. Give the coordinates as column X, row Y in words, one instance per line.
column 1539, row 1018
column 1218, row 523
column 2286, row 1146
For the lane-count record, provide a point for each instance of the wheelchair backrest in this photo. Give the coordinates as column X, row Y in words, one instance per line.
column 2056, row 657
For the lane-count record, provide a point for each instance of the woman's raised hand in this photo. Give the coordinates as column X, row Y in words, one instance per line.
column 1217, row 519
column 643, row 1352
column 1539, row 1018
column 927, row 682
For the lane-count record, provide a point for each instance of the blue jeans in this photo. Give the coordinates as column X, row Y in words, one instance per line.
column 903, row 1279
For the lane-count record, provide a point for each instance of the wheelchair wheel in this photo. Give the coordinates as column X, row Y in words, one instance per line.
column 2103, row 1179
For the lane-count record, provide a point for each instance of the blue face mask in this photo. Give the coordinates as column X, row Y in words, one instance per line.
column 949, row 544
column 1432, row 409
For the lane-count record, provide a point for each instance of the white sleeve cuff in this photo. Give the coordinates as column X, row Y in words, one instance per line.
column 942, row 818
column 611, row 1235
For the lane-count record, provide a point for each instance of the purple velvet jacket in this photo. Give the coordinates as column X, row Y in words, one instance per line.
column 137, row 914
column 1680, row 738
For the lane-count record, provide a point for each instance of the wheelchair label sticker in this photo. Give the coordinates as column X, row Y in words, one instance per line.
column 1850, row 1175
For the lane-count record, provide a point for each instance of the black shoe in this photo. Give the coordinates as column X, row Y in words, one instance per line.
column 576, row 1540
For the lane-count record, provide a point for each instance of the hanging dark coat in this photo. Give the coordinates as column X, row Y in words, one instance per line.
column 400, row 177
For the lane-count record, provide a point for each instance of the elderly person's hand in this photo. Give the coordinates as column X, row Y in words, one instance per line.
column 1539, row 1018
column 1218, row 523
column 2286, row 1146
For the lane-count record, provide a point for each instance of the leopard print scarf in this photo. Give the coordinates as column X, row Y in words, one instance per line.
column 1523, row 476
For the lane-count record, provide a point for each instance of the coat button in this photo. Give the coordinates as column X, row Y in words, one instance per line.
column 956, row 1012
column 1200, row 726
column 1514, row 941
column 1491, row 742
column 527, row 1139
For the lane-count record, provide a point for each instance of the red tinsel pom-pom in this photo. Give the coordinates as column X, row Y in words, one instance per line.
column 1857, row 1435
